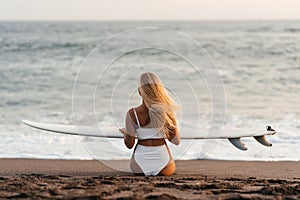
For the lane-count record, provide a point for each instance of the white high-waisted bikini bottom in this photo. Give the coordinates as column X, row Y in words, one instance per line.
column 151, row 159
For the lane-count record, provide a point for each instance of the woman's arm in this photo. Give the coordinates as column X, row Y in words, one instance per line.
column 174, row 136
column 128, row 139
column 129, row 132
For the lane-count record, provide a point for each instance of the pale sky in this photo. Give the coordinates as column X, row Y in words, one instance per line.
column 149, row 9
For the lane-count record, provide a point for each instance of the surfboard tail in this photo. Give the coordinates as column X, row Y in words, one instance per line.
column 261, row 139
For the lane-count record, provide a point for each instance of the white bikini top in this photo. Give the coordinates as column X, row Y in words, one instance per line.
column 147, row 133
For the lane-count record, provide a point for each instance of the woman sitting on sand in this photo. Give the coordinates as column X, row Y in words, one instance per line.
column 151, row 122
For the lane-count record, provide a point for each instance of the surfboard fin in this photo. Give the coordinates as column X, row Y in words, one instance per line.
column 263, row 140
column 238, row 143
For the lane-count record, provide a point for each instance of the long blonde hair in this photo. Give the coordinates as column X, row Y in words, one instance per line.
column 161, row 106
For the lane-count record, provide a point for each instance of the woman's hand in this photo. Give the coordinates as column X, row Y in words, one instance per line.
column 122, row 130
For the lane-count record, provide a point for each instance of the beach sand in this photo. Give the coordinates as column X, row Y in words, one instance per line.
column 193, row 179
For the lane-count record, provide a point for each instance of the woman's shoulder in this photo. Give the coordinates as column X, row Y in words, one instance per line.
column 136, row 109
column 130, row 113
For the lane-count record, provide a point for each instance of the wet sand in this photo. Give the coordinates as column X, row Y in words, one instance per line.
column 194, row 179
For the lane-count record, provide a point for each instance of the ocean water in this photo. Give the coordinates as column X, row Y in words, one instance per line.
column 258, row 62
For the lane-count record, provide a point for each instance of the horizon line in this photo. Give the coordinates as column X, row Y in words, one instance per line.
column 142, row 20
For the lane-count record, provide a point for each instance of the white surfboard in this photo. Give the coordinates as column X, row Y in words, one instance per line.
column 233, row 135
